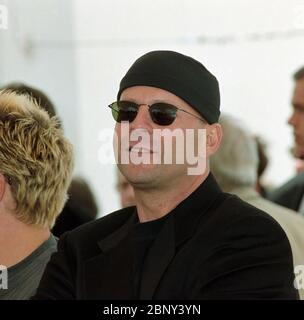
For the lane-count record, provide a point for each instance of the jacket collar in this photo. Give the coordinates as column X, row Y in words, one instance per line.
column 185, row 215
column 188, row 213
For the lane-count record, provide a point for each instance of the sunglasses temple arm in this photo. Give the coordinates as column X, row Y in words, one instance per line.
column 193, row 115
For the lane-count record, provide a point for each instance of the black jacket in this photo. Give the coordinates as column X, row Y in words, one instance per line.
column 290, row 194
column 212, row 246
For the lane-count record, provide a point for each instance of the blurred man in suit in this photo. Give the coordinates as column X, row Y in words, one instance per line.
column 290, row 194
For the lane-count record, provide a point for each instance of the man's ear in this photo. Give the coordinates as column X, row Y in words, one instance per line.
column 214, row 138
column 2, row 186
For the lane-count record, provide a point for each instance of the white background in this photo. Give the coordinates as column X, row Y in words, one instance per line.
column 77, row 52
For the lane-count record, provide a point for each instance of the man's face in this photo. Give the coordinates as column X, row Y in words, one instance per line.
column 152, row 174
column 297, row 118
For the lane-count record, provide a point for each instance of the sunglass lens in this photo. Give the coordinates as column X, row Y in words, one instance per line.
column 124, row 111
column 163, row 114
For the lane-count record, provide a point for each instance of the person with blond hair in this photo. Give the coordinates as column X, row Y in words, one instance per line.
column 36, row 163
column 81, row 206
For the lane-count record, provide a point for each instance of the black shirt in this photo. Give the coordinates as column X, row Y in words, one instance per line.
column 144, row 235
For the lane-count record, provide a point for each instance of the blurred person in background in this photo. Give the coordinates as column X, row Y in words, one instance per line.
column 81, row 206
column 290, row 194
column 36, row 163
column 235, row 168
column 262, row 165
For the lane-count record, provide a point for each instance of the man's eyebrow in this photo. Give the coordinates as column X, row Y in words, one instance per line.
column 129, row 99
column 160, row 101
column 152, row 102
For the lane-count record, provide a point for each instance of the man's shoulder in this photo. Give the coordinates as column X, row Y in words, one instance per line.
column 237, row 207
column 240, row 248
column 236, row 228
column 239, row 215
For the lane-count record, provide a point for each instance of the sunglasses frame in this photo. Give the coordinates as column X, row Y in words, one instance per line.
column 149, row 106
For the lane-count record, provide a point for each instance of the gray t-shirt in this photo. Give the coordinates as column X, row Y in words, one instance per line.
column 24, row 277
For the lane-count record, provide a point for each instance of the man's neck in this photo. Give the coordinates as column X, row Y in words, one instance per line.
column 156, row 203
column 18, row 240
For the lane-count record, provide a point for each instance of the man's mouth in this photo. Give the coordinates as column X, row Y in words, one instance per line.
column 140, row 150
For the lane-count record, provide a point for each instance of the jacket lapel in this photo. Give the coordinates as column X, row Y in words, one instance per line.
column 109, row 274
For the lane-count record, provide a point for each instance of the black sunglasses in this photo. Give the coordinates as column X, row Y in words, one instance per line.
column 161, row 113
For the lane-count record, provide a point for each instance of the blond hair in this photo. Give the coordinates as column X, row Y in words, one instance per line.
column 35, row 157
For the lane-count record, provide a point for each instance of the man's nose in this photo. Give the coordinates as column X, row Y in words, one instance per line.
column 142, row 120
